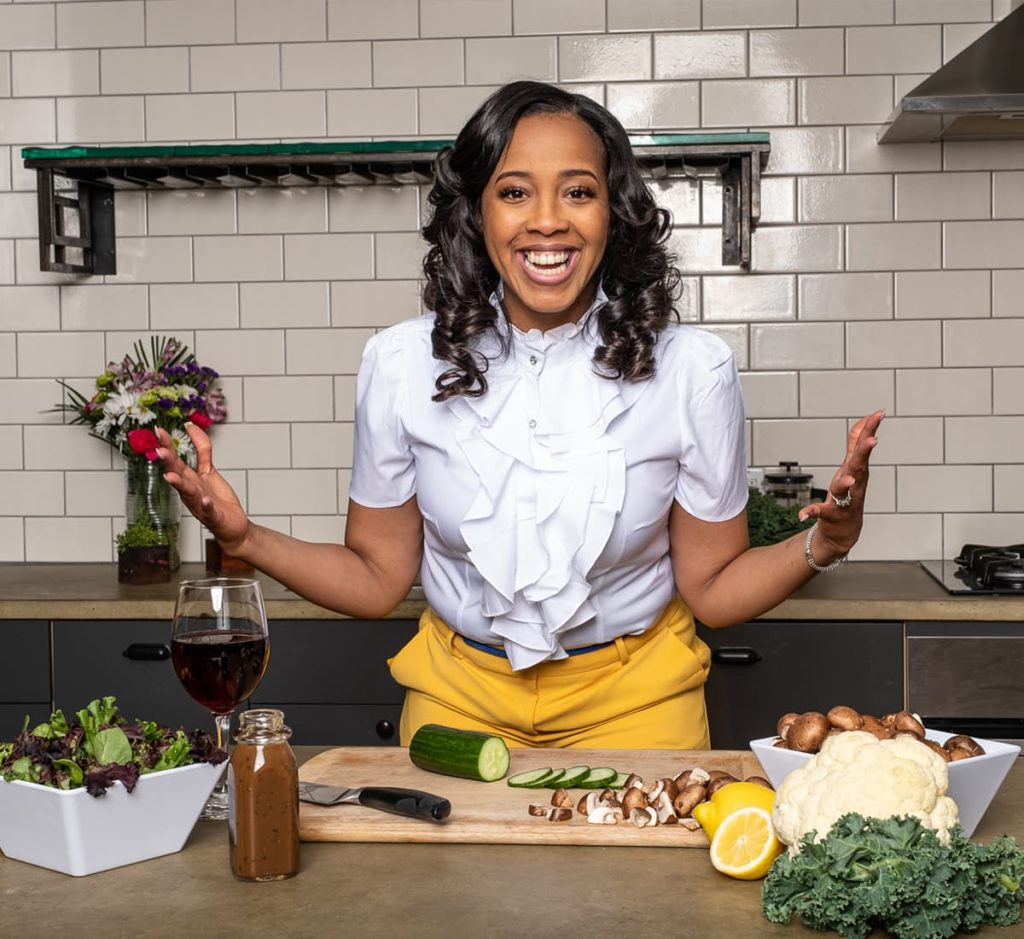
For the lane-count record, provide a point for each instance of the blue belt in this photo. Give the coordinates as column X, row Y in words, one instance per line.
column 582, row 650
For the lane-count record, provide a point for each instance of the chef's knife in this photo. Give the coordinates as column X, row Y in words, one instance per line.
column 410, row 802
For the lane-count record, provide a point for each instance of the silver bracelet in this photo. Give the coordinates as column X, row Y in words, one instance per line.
column 814, row 565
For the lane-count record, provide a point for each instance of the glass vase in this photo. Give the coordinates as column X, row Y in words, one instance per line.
column 148, row 494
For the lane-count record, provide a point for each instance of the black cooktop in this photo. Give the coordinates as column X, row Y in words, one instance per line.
column 993, row 569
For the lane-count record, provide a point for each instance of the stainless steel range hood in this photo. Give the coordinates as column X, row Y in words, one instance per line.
column 978, row 95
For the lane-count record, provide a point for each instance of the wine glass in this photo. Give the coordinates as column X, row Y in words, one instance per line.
column 220, row 646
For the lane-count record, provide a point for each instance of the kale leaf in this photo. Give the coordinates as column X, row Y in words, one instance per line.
column 895, row 874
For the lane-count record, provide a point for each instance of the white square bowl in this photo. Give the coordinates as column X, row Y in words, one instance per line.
column 70, row 831
column 972, row 783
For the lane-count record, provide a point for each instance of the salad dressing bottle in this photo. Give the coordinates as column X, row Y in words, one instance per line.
column 263, row 799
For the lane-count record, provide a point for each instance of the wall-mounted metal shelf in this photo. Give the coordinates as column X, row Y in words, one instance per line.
column 76, row 185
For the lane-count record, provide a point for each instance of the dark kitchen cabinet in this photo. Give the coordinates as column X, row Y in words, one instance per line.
column 24, row 674
column 331, row 679
column 761, row 670
column 129, row 659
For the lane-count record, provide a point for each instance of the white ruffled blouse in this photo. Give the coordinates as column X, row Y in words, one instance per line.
column 545, row 502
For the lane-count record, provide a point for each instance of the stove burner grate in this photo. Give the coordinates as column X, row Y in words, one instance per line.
column 982, row 566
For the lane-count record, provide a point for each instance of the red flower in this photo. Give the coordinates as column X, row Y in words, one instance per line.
column 201, row 419
column 143, row 441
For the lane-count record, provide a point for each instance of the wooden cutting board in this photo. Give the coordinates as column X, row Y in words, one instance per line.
column 495, row 813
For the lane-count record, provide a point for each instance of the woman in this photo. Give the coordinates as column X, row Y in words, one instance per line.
column 561, row 463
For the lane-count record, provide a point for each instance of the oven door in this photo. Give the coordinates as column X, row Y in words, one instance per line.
column 966, row 678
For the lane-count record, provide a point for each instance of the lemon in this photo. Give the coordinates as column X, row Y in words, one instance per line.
column 745, row 845
column 729, row 799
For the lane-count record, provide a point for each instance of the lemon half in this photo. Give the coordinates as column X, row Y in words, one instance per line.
column 745, row 845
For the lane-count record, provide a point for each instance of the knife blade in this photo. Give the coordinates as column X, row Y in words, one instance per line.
column 409, row 802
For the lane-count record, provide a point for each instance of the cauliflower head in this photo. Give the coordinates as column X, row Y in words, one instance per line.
column 856, row 772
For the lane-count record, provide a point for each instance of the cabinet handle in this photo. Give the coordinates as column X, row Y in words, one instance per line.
column 385, row 730
column 147, row 652
column 735, row 655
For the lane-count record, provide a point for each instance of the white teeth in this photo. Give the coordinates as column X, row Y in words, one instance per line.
column 547, row 262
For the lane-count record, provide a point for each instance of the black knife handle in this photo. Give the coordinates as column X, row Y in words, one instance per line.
column 409, row 802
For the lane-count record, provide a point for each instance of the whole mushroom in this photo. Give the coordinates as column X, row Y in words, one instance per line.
column 807, row 732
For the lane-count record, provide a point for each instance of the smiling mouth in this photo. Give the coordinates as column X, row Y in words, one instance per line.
column 549, row 263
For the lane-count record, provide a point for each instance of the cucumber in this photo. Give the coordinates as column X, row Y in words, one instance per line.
column 571, row 778
column 468, row 754
column 531, row 778
column 619, row 782
column 598, row 778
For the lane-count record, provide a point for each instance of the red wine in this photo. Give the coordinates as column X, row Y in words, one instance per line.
column 219, row 668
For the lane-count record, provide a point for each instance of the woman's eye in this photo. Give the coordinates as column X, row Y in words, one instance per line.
column 512, row 192
column 581, row 192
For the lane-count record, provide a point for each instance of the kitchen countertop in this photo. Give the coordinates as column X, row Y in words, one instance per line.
column 875, row 590
column 423, row 890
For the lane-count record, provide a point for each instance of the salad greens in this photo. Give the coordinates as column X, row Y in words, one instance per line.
column 98, row 747
column 895, row 874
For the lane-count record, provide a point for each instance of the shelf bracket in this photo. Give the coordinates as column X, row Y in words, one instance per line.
column 76, row 225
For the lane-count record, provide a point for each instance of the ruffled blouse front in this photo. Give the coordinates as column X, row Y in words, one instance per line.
column 545, row 500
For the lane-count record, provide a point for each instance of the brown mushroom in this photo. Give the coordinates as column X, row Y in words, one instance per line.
column 759, row 781
column 633, row 799
column 784, row 722
column 967, row 743
column 905, row 722
column 670, row 787
column 540, row 811
column 937, row 749
column 873, row 726
column 559, row 814
column 688, row 800
column 583, row 805
column 682, row 779
column 644, row 817
column 715, row 784
column 959, row 753
column 845, row 718
column 807, row 732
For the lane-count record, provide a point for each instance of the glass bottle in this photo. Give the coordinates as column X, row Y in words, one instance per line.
column 263, row 798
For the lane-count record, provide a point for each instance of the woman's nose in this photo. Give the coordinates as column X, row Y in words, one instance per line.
column 547, row 215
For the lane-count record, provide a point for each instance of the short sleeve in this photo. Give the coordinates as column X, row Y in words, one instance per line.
column 383, row 468
column 712, row 481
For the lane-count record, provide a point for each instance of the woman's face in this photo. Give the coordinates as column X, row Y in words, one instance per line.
column 545, row 219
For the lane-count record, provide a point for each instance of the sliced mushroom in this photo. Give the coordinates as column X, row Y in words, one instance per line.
column 644, row 817
column 665, row 810
column 602, row 815
column 690, row 824
column 699, row 775
column 688, row 800
column 670, row 787
column 682, row 779
column 559, row 814
column 560, row 798
column 633, row 799
column 634, row 781
column 654, row 791
column 540, row 811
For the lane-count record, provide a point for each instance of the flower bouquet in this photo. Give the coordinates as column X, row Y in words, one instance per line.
column 162, row 386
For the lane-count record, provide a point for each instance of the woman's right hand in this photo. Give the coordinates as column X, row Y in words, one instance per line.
column 204, row 491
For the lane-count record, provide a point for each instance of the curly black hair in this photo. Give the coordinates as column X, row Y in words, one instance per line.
column 637, row 272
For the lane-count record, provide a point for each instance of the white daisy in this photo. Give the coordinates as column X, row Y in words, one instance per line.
column 123, row 405
column 181, row 442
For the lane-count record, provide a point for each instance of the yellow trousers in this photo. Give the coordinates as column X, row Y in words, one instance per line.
column 640, row 692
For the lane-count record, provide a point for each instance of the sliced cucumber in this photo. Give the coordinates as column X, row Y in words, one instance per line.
column 465, row 753
column 531, row 779
column 572, row 777
column 619, row 782
column 553, row 781
column 599, row 778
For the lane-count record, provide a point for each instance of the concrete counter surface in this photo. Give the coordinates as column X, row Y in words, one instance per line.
column 868, row 590
column 423, row 890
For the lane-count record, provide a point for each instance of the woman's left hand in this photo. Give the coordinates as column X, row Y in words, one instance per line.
column 841, row 515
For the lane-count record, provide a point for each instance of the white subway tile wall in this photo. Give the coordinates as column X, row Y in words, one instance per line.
column 883, row 276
